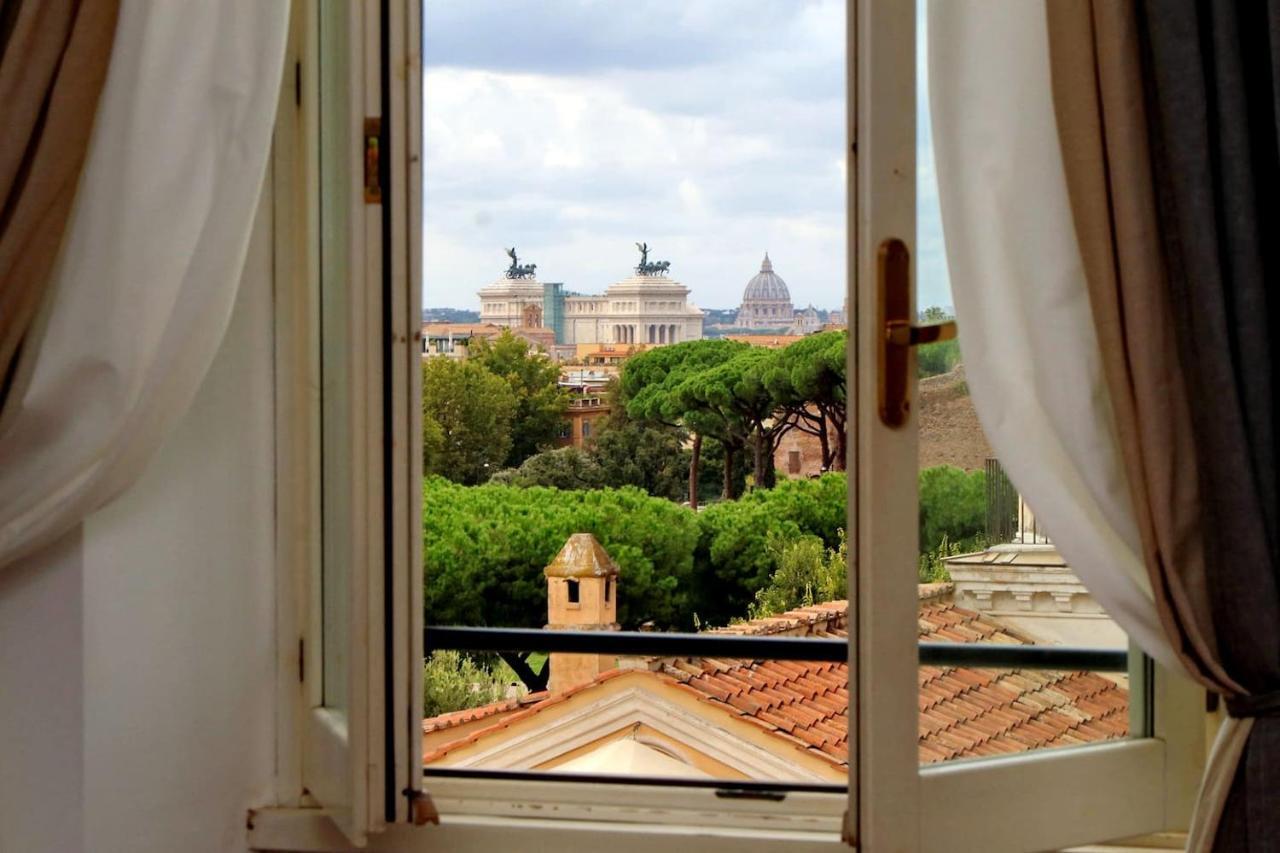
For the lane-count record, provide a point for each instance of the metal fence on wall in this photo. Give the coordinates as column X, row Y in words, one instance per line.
column 1002, row 505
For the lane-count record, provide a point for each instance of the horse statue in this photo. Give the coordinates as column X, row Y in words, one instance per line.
column 653, row 268
column 517, row 270
column 647, row 268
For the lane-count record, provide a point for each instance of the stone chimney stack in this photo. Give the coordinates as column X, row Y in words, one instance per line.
column 582, row 595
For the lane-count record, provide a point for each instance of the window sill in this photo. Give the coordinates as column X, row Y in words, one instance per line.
column 311, row 831
column 1141, row 844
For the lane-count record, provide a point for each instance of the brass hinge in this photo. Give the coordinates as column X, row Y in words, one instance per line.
column 372, row 161
column 421, row 810
column 897, row 332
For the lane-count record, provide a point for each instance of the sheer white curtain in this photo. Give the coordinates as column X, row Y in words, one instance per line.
column 1026, row 329
column 151, row 261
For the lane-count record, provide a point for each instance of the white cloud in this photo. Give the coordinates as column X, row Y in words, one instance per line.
column 721, row 140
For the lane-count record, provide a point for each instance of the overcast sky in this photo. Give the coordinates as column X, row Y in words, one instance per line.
column 712, row 129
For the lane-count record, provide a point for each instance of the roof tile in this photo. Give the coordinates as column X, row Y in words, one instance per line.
column 964, row 712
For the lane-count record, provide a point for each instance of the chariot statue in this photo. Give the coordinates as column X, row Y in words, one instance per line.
column 646, row 267
column 517, row 270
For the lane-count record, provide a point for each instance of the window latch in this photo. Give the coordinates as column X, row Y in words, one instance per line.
column 898, row 334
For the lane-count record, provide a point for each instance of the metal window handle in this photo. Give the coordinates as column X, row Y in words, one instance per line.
column 899, row 333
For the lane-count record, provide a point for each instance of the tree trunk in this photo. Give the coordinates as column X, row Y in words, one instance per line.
column 757, row 459
column 519, row 664
column 842, row 444
column 695, row 459
column 825, row 442
column 728, row 473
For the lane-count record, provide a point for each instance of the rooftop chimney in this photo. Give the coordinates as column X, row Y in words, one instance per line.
column 582, row 595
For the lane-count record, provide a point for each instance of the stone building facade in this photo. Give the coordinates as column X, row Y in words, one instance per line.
column 639, row 309
column 1028, row 585
column 583, row 420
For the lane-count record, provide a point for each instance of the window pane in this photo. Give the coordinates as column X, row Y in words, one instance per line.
column 634, row 415
column 988, row 572
column 335, row 264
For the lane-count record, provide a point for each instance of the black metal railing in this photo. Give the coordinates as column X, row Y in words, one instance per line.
column 1002, row 505
column 749, row 647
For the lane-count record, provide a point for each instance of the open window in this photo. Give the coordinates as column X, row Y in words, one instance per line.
column 348, row 507
column 351, row 515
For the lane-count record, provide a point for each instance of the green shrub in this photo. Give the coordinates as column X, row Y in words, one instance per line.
column 932, row 568
column 451, row 681
column 953, row 508
column 807, row 574
column 936, row 359
column 734, row 559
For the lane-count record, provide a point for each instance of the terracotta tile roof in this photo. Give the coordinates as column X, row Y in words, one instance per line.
column 540, row 702
column 968, row 712
column 470, row 715
column 964, row 712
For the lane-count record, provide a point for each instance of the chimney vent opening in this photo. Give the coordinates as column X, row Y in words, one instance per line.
column 573, row 591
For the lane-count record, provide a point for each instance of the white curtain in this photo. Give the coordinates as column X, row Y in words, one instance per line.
column 1022, row 302
column 151, row 261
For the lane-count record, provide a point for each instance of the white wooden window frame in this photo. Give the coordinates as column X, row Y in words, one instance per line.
column 332, row 779
column 340, row 761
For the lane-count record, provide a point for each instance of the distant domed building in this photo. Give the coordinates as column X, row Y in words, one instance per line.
column 766, row 303
column 806, row 322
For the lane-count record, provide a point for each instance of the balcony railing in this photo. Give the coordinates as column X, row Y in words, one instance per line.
column 747, row 647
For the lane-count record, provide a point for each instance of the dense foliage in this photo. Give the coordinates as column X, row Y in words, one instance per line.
column 806, row 380
column 485, row 548
column 623, row 452
column 953, row 508
column 734, row 558
column 466, row 415
column 534, row 381
column 652, row 458
column 807, row 574
column 714, row 389
column 562, row 468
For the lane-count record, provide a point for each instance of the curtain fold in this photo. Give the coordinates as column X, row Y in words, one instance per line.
column 1027, row 330
column 150, row 262
column 1209, row 71
column 1165, row 148
column 1098, row 99
column 53, row 61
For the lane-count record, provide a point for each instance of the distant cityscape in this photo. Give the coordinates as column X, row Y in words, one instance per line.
column 625, row 459
column 647, row 307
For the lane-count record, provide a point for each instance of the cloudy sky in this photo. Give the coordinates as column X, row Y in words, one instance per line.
column 712, row 129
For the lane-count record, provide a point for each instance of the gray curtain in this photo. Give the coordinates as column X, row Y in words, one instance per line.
column 1211, row 71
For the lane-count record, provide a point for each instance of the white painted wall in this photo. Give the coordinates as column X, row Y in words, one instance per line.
column 137, row 655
